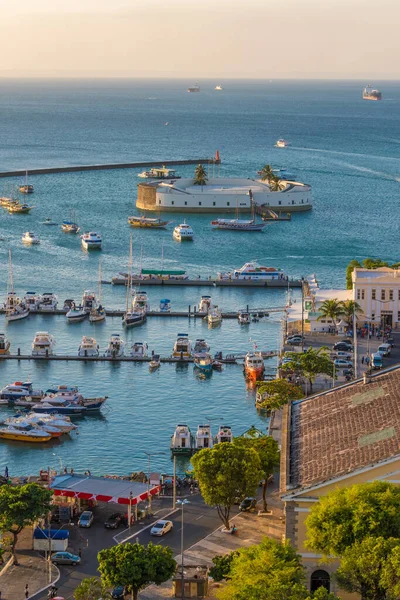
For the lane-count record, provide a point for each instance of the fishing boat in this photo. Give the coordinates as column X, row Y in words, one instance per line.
column 76, row 314
column 203, row 438
column 48, row 302
column 281, row 143
column 205, row 304
column 139, row 350
column 91, row 240
column 201, row 345
column 159, row 173
column 19, row 390
column 244, row 318
column 182, row 347
column 165, row 305
column 30, row 238
column 148, row 222
column 61, row 407
column 155, row 362
column 182, row 441
column 19, row 208
column 4, row 344
column 224, row 434
column 88, row 347
column 34, row 435
column 116, row 347
column 32, row 300
column 254, row 365
column 43, row 344
column 26, row 188
column 214, row 316
column 183, row 233
column 203, row 361
column 15, row 308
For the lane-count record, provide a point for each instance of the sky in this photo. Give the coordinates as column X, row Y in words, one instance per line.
column 194, row 39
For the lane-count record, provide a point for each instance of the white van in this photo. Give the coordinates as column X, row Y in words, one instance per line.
column 376, row 361
column 385, row 349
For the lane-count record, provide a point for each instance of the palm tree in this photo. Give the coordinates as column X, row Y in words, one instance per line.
column 276, row 184
column 200, row 175
column 350, row 308
column 331, row 309
column 267, row 173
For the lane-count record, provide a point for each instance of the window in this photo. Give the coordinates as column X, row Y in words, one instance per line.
column 213, row 203
column 383, row 295
column 390, row 294
column 399, row 294
column 398, row 316
column 358, row 294
column 373, row 316
column 159, row 202
column 323, row 321
column 373, row 294
column 362, row 294
column 228, row 203
column 172, row 202
column 185, row 203
column 199, row 203
column 280, row 202
column 320, row 579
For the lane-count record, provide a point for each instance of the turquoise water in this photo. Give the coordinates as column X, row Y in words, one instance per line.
column 347, row 149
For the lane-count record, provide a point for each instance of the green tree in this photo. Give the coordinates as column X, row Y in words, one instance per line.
column 222, row 566
column 226, row 472
column 331, row 309
column 349, row 309
column 91, row 588
column 310, row 363
column 200, row 175
column 349, row 271
column 21, row 506
column 276, row 393
column 135, row 566
column 276, row 184
column 374, row 263
column 267, row 173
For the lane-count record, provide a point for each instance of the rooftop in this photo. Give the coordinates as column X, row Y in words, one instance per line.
column 382, row 272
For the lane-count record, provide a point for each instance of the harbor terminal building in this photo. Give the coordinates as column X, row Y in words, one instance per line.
column 222, row 195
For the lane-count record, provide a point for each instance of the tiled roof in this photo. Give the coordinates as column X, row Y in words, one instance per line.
column 349, row 428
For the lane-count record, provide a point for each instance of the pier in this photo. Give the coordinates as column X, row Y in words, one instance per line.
column 156, row 313
column 211, row 282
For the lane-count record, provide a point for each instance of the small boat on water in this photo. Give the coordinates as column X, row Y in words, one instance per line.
column 201, row 345
column 281, row 143
column 159, row 173
column 155, row 362
column 24, row 424
column 98, row 312
column 88, row 347
column 165, row 305
column 238, row 224
column 30, row 238
column 214, row 316
column 76, row 314
column 251, row 271
column 70, row 227
column 218, row 88
column 18, row 435
column 92, row 240
column 254, row 365
column 19, row 208
column 147, row 222
column 48, row 221
column 26, row 188
column 203, row 438
column 63, row 423
column 244, row 318
column 89, row 301
column 183, row 233
column 48, row 302
column 182, row 441
column 203, row 361
column 32, row 300
column 140, row 301
column 4, row 344
column 116, row 347
column 43, row 344
column 205, row 304
column 133, row 318
column 19, row 390
column 139, row 350
column 182, row 347
column 224, row 434
column 15, row 308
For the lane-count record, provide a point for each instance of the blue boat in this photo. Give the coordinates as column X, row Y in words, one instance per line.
column 203, row 361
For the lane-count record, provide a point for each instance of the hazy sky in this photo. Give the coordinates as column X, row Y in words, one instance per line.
column 200, row 38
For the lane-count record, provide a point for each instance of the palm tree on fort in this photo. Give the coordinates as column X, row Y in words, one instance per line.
column 200, row 175
column 276, row 184
column 267, row 173
column 331, row 309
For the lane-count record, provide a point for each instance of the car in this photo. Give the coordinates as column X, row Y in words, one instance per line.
column 248, row 504
column 113, row 521
column 343, row 354
column 340, row 363
column 161, row 528
column 294, row 341
column 118, row 593
column 343, row 346
column 65, row 558
column 86, row 519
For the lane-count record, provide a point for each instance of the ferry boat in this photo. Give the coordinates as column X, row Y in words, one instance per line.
column 165, row 305
column 32, row 300
column 203, row 438
column 116, row 347
column 18, row 390
column 282, row 143
column 254, row 365
column 26, row 188
column 370, row 94
column 139, row 350
column 182, row 441
column 182, row 347
column 18, row 435
column 70, row 227
column 76, row 314
column 218, row 88
column 237, row 225
column 4, row 344
column 43, row 344
column 155, row 362
column 201, row 345
column 48, row 302
column 147, row 222
column 244, row 318
column 91, row 240
column 204, row 362
column 30, row 238
column 251, row 271
column 193, row 88
column 19, row 208
column 88, row 347
column 205, row 304
column 183, row 233
column 224, row 434
column 159, row 173
column 214, row 316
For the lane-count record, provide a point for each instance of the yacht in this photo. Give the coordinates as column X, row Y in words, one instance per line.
column 4, row 344
column 135, row 314
column 159, row 173
column 91, row 240
column 244, row 318
column 183, row 232
column 18, row 390
column 201, row 345
column 30, row 238
column 89, row 301
column 70, row 227
column 252, row 271
column 254, row 365
column 25, row 424
column 32, row 300
column 182, row 441
column 140, row 302
column 224, row 434
column 133, row 318
column 203, row 438
column 76, row 314
column 214, row 316
column 139, row 350
column 370, row 94
column 205, row 304
column 203, row 361
column 64, row 423
column 48, row 302
column 182, row 347
column 165, row 305
column 15, row 308
column 43, row 344
column 116, row 347
column 88, row 347
column 282, row 143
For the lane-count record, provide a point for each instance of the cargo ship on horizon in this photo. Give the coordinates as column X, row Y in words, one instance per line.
column 370, row 94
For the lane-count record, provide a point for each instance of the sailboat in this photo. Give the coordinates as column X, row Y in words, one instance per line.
column 15, row 308
column 98, row 313
column 132, row 316
column 26, row 189
column 239, row 224
column 70, row 226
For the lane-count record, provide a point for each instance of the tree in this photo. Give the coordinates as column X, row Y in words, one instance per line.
column 331, row 309
column 349, row 271
column 21, row 506
column 276, row 393
column 267, row 173
column 200, row 175
column 349, row 309
column 222, row 566
column 226, row 472
column 135, row 566
column 276, row 184
column 310, row 363
column 91, row 588
column 374, row 263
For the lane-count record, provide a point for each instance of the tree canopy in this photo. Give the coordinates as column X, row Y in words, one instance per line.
column 276, row 184
column 276, row 393
column 226, row 472
column 349, row 309
column 310, row 363
column 200, row 175
column 222, row 566
column 331, row 309
column 91, row 588
column 267, row 173
column 367, row 263
column 135, row 566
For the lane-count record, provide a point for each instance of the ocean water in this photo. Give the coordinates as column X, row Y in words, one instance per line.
column 346, row 148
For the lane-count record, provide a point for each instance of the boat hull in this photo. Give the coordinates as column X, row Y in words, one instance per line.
column 182, row 451
column 24, row 438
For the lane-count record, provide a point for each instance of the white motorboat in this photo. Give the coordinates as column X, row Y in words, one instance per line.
column 183, row 232
column 203, row 438
column 116, row 347
column 182, row 441
column 281, row 143
column 218, row 88
column 165, row 305
column 136, row 314
column 155, row 362
column 201, row 345
column 91, row 240
column 89, row 301
column 251, row 271
column 224, row 434
column 18, row 390
column 140, row 302
column 76, row 314
column 48, row 221
column 32, row 300
column 205, row 304
column 139, row 350
column 4, row 344
column 43, row 344
column 30, row 238
column 159, row 173
column 88, row 347
column 182, row 347
column 48, row 302
column 63, row 423
column 214, row 316
column 244, row 318
column 238, row 224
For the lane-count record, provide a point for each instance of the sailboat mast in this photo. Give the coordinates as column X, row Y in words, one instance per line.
column 99, row 294
column 10, row 285
column 162, row 258
column 129, row 283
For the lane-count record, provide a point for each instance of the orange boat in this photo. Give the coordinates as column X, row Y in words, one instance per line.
column 254, row 365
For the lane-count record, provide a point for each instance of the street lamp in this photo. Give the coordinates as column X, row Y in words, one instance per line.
column 182, row 503
column 61, row 465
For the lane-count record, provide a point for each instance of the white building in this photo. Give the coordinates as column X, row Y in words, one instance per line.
column 377, row 291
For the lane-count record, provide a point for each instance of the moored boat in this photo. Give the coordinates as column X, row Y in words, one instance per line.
column 76, row 314
column 48, row 302
column 182, row 441
column 88, row 347
column 214, row 316
column 253, row 272
column 203, row 438
column 32, row 300
column 116, row 347
column 165, row 305
column 155, row 362
column 139, row 350
column 254, row 365
column 205, row 304
column 182, row 347
column 159, row 173
column 201, row 345
column 140, row 301
column 238, row 224
column 203, row 361
column 91, row 240
column 70, row 227
column 26, row 188
column 13, row 392
column 30, row 238
column 43, row 344
column 34, row 435
column 19, row 208
column 97, row 313
column 183, row 232
column 244, row 318
column 224, row 434
column 4, row 344
column 147, row 222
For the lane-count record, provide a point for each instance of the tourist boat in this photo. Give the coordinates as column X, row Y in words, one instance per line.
column 194, row 88
column 91, row 240
column 251, row 271
column 224, row 434
column 203, row 361
column 370, row 94
column 203, row 438
column 238, row 224
column 18, row 435
column 76, row 314
column 88, row 347
column 48, row 302
column 32, row 300
column 182, row 441
column 254, row 365
column 182, row 347
column 183, row 233
column 140, row 302
column 147, row 222
column 218, row 88
column 214, row 316
column 48, row 221
column 139, row 350
column 165, row 305
column 19, row 390
column 4, row 344
column 201, row 345
column 30, row 238
column 159, row 173
column 43, row 344
column 205, row 304
column 281, row 143
column 70, row 227
column 19, row 208
column 116, row 347
column 155, row 362
column 26, row 189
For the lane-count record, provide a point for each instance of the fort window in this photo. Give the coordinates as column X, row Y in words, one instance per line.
column 320, row 579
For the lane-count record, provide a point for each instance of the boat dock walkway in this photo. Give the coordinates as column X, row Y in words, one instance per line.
column 210, row 282
column 187, row 314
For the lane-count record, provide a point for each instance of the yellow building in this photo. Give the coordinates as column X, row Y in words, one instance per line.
column 337, row 438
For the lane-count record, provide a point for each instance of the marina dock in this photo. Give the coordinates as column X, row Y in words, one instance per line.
column 211, row 282
column 188, row 314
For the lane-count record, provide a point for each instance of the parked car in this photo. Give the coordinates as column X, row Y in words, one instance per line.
column 343, row 354
column 118, row 593
column 340, row 363
column 65, row 558
column 113, row 521
column 161, row 528
column 294, row 341
column 248, row 504
column 86, row 519
column 345, row 346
